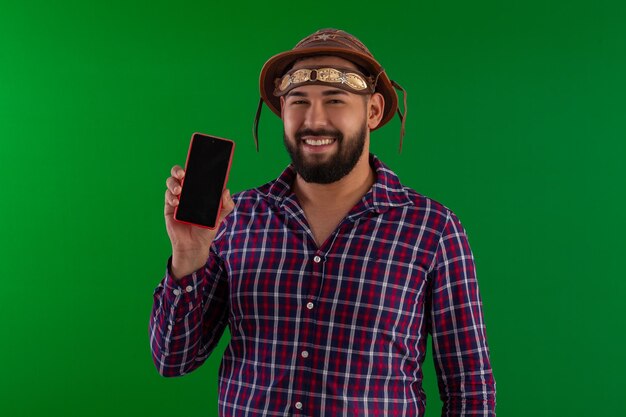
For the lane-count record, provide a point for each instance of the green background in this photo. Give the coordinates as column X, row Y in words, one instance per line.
column 516, row 121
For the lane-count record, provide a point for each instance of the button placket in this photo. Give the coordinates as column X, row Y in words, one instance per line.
column 308, row 325
column 317, row 274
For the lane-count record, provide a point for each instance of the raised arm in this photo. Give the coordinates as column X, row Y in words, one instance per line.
column 190, row 309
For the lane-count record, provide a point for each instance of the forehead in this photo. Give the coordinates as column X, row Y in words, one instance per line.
column 317, row 91
column 332, row 61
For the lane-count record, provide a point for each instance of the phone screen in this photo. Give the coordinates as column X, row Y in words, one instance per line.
column 206, row 172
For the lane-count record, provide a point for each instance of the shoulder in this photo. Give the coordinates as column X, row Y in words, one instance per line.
column 270, row 193
column 415, row 209
column 433, row 213
column 425, row 203
column 252, row 197
column 255, row 210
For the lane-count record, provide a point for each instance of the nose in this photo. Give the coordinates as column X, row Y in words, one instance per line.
column 316, row 115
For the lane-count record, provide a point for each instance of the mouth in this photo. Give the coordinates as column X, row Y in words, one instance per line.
column 318, row 141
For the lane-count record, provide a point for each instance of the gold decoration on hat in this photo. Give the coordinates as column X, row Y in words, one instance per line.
column 353, row 80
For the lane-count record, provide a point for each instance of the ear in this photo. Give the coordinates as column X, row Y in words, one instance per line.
column 375, row 107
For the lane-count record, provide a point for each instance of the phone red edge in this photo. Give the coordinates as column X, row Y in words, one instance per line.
column 230, row 161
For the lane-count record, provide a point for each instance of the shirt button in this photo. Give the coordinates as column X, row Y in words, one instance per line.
column 317, row 259
column 176, row 291
column 189, row 288
column 309, row 305
column 169, row 327
column 299, row 405
column 305, row 354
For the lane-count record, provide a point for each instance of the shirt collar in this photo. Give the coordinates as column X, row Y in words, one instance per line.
column 386, row 192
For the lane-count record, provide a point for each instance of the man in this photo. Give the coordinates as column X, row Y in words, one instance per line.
column 330, row 277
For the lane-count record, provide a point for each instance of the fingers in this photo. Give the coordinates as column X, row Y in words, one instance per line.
column 174, row 188
column 177, row 172
column 171, row 198
column 173, row 185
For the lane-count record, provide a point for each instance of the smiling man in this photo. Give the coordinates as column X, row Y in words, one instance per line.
column 331, row 277
column 315, row 118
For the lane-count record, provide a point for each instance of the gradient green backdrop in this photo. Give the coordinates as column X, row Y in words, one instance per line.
column 516, row 122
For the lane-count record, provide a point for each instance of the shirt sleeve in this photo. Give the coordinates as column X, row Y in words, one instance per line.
column 460, row 351
column 188, row 317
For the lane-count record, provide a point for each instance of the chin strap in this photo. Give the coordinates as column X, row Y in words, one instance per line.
column 255, row 127
column 400, row 114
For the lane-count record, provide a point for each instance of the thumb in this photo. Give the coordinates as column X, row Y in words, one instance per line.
column 228, row 205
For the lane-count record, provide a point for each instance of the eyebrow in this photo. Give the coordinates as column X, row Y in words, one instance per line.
column 332, row 92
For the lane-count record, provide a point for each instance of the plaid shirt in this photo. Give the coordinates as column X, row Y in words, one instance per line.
column 338, row 330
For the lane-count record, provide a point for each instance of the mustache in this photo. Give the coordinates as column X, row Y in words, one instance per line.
column 335, row 134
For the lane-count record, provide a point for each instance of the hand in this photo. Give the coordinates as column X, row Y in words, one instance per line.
column 190, row 244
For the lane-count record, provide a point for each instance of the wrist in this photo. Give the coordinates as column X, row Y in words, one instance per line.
column 184, row 264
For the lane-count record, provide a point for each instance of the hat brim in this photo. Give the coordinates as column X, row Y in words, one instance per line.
column 277, row 65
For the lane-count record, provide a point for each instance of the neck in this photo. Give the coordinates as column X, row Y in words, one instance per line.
column 346, row 191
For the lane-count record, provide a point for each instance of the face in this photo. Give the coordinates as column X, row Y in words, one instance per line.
column 326, row 129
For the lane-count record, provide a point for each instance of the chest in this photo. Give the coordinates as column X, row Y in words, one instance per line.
column 323, row 224
column 370, row 273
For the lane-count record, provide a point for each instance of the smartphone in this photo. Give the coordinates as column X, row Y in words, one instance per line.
column 206, row 172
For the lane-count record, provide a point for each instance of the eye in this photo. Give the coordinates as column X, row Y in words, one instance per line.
column 335, row 101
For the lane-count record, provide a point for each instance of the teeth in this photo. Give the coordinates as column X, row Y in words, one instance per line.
column 318, row 142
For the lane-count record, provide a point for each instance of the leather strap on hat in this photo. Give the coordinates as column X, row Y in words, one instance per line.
column 255, row 127
column 345, row 78
column 402, row 116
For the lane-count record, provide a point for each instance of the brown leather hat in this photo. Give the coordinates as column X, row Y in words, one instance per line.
column 329, row 42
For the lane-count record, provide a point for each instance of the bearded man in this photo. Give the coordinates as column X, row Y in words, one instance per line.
column 331, row 277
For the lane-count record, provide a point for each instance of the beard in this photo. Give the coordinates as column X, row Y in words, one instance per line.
column 334, row 168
